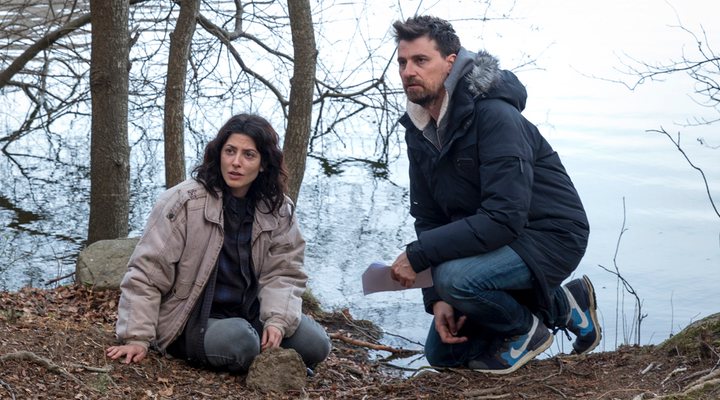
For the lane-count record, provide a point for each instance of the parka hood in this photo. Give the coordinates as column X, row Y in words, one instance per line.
column 487, row 80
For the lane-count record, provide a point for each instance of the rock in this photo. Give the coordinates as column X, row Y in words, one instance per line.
column 697, row 340
column 277, row 370
column 103, row 264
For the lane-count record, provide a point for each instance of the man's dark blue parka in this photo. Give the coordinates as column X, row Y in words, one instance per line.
column 486, row 178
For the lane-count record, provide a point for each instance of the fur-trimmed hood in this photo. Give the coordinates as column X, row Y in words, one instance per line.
column 485, row 78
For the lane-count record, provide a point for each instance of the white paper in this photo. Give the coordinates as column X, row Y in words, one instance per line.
column 377, row 278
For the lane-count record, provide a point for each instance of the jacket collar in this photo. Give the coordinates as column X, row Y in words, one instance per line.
column 264, row 220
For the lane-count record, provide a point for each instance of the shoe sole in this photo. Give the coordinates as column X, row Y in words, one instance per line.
column 522, row 360
column 593, row 316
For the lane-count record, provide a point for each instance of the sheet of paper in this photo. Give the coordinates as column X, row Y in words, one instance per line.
column 376, row 278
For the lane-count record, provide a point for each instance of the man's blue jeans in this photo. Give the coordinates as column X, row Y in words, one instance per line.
column 484, row 288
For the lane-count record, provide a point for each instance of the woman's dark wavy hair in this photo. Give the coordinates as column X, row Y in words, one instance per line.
column 437, row 29
column 270, row 184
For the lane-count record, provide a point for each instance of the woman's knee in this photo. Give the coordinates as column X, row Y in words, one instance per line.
column 310, row 341
column 231, row 343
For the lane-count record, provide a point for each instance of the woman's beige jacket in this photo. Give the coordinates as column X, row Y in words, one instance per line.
column 178, row 251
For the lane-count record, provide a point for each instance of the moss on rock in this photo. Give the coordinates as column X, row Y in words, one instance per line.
column 699, row 339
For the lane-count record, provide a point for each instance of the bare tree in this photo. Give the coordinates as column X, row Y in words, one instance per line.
column 297, row 134
column 180, row 41
column 110, row 153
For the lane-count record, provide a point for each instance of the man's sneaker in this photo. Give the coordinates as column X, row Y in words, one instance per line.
column 515, row 351
column 582, row 320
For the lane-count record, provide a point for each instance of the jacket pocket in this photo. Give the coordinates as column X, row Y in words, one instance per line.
column 182, row 289
column 466, row 167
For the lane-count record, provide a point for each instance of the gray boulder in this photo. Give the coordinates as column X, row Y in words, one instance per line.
column 103, row 264
column 277, row 370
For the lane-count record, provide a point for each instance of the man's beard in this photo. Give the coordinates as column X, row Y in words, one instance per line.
column 422, row 99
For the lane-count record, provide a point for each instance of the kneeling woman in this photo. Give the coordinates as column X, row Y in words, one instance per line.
column 217, row 276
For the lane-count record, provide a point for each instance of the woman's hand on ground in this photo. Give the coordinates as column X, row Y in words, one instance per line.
column 133, row 352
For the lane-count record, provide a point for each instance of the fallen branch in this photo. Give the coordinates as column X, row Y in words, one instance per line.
column 702, row 385
column 8, row 388
column 105, row 370
column 647, row 369
column 373, row 346
column 489, row 393
column 672, row 373
column 713, row 376
column 493, row 396
column 59, row 278
column 42, row 361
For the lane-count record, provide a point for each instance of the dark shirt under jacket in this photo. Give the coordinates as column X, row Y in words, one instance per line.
column 236, row 286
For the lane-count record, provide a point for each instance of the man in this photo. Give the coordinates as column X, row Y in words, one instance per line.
column 498, row 220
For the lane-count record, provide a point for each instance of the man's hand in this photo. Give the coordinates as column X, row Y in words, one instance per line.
column 133, row 352
column 445, row 323
column 271, row 337
column 402, row 271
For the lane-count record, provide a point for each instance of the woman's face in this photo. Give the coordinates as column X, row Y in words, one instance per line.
column 239, row 163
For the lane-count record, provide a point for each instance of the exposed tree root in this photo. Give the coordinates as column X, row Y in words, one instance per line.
column 373, row 346
column 42, row 361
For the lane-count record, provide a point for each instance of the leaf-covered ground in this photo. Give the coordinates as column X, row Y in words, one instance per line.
column 52, row 346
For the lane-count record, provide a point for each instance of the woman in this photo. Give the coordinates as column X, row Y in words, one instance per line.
column 217, row 276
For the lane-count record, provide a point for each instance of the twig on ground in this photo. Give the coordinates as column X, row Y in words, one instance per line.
column 403, row 338
column 373, row 346
column 8, row 388
column 105, row 369
column 647, row 369
column 556, row 390
column 59, row 278
column 673, row 372
column 610, row 392
column 44, row 362
column 400, row 367
column 701, row 385
column 492, row 396
column 489, row 393
column 711, row 377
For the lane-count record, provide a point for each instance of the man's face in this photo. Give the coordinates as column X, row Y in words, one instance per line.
column 423, row 70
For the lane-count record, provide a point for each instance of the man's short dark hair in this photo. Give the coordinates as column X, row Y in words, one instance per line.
column 435, row 28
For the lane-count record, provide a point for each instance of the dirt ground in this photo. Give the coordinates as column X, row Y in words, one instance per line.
column 52, row 346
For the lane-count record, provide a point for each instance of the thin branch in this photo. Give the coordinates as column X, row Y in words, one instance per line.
column 628, row 287
column 44, row 43
column 702, row 173
column 220, row 34
column 372, row 346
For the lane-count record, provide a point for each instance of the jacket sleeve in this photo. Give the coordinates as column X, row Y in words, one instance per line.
column 282, row 280
column 151, row 273
column 506, row 179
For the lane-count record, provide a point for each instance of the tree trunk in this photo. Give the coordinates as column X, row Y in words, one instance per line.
column 109, row 149
column 301, row 94
column 180, row 41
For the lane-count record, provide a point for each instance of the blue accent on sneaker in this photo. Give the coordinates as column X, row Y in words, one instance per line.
column 582, row 320
column 515, row 351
